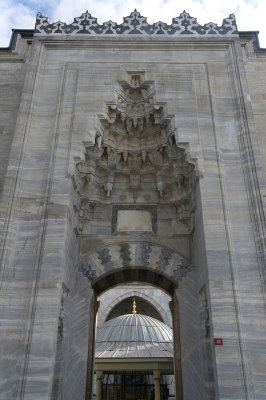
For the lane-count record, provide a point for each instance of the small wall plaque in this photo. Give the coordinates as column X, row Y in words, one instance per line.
column 218, row 341
column 134, row 219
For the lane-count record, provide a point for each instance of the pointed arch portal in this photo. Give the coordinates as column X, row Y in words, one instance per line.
column 136, row 274
column 143, row 262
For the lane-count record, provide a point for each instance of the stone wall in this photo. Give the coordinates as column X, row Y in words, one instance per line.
column 13, row 66
column 254, row 60
column 56, row 228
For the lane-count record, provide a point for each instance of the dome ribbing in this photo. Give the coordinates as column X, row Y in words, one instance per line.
column 134, row 335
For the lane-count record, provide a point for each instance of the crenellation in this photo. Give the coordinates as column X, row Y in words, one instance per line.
column 135, row 24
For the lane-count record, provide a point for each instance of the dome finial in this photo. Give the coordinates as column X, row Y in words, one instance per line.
column 134, row 307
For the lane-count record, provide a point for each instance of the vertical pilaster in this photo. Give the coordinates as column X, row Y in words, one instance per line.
column 174, row 308
column 91, row 346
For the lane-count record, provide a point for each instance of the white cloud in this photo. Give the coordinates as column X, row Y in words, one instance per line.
column 14, row 16
column 250, row 14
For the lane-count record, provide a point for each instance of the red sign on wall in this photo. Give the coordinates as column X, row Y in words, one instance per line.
column 218, row 341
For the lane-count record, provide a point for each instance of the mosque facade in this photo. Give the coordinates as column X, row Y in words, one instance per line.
column 132, row 166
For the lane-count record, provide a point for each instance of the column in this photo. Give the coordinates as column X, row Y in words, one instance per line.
column 116, row 391
column 91, row 347
column 98, row 385
column 157, row 376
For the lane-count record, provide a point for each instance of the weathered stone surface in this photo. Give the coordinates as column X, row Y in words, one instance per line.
column 134, row 220
column 58, row 242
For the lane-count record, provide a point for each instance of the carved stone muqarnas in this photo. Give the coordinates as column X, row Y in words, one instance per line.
column 135, row 158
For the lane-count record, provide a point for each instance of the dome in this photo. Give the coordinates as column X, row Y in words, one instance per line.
column 134, row 335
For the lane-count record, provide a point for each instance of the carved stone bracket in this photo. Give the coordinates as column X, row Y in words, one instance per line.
column 83, row 211
column 185, row 211
column 135, row 24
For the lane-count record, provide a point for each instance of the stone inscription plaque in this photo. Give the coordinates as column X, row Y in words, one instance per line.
column 127, row 219
column 134, row 221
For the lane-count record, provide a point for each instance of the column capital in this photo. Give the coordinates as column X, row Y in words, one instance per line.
column 156, row 374
column 99, row 374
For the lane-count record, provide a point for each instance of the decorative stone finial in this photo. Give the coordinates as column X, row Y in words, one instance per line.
column 134, row 307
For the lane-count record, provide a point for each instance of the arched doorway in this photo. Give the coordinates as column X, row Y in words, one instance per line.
column 134, row 201
column 137, row 274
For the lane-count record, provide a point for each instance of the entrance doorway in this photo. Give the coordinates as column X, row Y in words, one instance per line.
column 153, row 381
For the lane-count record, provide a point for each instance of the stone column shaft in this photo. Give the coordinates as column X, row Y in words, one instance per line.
column 156, row 375
column 99, row 385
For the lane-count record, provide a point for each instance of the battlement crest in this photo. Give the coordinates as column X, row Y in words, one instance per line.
column 136, row 24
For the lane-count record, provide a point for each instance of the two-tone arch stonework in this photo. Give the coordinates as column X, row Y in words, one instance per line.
column 134, row 254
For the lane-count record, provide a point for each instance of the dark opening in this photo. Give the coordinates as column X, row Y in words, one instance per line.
column 134, row 274
column 132, row 386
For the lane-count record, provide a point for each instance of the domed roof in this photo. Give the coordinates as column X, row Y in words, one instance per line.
column 134, row 335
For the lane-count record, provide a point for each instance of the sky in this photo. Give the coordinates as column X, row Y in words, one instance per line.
column 250, row 14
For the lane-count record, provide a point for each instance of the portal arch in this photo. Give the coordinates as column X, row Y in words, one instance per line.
column 125, row 275
column 133, row 293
